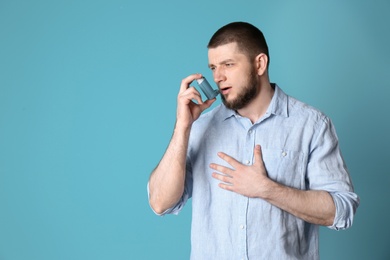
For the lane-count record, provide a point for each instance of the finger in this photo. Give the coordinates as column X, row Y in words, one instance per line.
column 228, row 187
column 223, row 178
column 185, row 83
column 230, row 160
column 258, row 154
column 225, row 170
column 191, row 94
column 207, row 103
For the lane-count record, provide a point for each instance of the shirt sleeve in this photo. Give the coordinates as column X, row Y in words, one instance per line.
column 327, row 171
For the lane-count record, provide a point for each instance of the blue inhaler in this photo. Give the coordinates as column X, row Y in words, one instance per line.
column 207, row 89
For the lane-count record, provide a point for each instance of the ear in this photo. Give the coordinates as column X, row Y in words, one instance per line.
column 261, row 61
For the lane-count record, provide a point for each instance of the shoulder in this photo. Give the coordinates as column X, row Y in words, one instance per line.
column 303, row 111
column 294, row 110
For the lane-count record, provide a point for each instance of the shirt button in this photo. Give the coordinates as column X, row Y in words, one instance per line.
column 250, row 131
column 247, row 162
column 284, row 154
column 242, row 226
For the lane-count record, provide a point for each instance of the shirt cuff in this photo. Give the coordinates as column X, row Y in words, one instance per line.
column 346, row 204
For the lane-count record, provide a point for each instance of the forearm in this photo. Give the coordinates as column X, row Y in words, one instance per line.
column 316, row 207
column 166, row 183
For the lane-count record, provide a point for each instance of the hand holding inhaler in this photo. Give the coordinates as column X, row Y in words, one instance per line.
column 209, row 92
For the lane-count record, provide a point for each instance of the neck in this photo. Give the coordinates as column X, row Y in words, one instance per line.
column 259, row 105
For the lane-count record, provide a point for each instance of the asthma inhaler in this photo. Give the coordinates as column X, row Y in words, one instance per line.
column 207, row 89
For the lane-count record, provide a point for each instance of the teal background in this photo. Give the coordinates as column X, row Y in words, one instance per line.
column 87, row 106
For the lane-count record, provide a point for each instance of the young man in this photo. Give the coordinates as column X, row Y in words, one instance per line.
column 263, row 169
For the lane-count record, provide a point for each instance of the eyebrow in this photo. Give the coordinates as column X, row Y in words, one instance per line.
column 222, row 62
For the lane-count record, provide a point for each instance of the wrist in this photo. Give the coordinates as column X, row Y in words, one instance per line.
column 182, row 128
column 270, row 190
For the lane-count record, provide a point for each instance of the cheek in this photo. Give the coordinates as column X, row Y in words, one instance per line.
column 235, row 77
column 241, row 76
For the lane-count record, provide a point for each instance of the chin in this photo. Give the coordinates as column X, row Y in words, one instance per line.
column 229, row 103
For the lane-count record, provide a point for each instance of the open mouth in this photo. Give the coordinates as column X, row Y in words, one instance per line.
column 224, row 90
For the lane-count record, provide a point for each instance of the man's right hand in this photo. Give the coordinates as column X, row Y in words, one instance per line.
column 187, row 110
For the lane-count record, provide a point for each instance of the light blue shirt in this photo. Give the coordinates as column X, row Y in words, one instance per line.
column 300, row 149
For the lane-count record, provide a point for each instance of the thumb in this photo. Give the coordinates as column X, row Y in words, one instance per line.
column 208, row 103
column 258, row 155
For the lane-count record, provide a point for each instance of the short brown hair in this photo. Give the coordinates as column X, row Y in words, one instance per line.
column 250, row 40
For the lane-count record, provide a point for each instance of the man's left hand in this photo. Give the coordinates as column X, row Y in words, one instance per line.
column 248, row 180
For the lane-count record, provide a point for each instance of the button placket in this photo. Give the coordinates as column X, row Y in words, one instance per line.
column 249, row 146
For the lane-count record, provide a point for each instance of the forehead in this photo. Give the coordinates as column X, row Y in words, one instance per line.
column 225, row 52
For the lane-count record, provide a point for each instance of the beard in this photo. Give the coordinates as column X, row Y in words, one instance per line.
column 247, row 94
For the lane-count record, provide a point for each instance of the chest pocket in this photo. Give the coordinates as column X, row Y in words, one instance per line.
column 285, row 167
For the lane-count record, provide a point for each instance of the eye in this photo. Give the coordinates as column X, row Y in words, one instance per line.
column 229, row 64
column 212, row 68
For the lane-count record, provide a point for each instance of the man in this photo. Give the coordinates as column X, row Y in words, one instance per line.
column 263, row 169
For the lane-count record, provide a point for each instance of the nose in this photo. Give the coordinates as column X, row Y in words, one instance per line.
column 219, row 75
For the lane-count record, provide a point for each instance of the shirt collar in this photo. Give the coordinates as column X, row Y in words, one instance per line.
column 278, row 105
column 279, row 102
